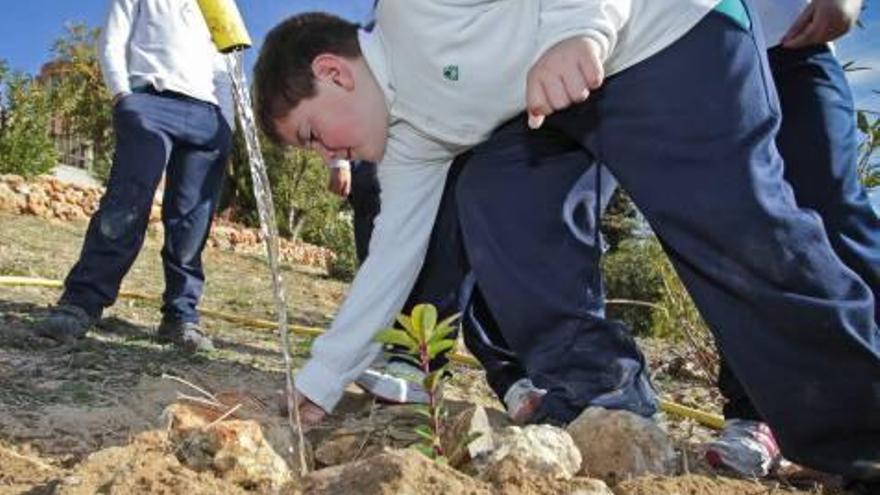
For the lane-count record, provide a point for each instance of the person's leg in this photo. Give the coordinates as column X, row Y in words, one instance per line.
column 796, row 325
column 365, row 203
column 505, row 373
column 116, row 231
column 818, row 145
column 817, row 141
column 192, row 184
column 539, row 281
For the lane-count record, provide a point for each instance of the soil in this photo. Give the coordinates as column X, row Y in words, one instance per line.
column 85, row 417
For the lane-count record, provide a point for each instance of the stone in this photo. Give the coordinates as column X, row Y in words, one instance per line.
column 545, row 450
column 235, row 450
column 472, row 423
column 395, row 472
column 618, row 445
column 10, row 201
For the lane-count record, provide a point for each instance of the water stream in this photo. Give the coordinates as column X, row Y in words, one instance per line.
column 268, row 225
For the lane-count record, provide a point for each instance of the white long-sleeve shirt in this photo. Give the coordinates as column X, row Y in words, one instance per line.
column 452, row 72
column 167, row 44
column 777, row 16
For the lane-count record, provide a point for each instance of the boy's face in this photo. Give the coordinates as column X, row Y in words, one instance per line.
column 347, row 119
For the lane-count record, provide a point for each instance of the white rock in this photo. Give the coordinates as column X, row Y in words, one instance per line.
column 546, row 450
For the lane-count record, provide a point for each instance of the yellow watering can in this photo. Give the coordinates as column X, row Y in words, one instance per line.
column 226, row 25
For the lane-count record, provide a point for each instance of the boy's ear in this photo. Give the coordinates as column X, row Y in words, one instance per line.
column 334, row 69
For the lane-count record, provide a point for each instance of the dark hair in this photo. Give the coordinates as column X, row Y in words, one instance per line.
column 283, row 73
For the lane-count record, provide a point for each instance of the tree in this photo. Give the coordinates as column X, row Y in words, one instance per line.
column 25, row 145
column 79, row 93
column 304, row 208
column 868, row 164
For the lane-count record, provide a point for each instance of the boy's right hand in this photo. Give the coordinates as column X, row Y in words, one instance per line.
column 564, row 75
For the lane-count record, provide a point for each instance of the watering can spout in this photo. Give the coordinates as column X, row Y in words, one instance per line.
column 226, row 25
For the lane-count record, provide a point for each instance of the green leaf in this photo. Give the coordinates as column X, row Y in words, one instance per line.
column 423, row 410
column 416, row 317
column 862, row 121
column 435, row 348
column 444, row 328
column 429, row 320
column 392, row 336
column 406, row 323
column 424, row 432
column 426, row 450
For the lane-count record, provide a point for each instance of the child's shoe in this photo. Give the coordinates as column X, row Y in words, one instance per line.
column 398, row 383
column 745, row 447
column 522, row 400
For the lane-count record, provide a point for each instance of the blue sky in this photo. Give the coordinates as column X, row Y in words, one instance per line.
column 28, row 28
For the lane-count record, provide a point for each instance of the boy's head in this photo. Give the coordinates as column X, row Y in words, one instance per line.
column 313, row 89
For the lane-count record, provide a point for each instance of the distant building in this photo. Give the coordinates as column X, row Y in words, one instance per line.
column 72, row 150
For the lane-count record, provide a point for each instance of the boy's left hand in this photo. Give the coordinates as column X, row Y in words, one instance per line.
column 822, row 21
column 564, row 75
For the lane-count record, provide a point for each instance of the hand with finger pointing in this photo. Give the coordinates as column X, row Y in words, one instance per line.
column 564, row 75
column 822, row 21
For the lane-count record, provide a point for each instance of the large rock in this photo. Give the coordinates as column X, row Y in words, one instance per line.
column 618, row 445
column 545, row 450
column 235, row 450
column 397, row 472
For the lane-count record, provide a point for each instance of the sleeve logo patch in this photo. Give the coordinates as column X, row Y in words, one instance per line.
column 450, row 73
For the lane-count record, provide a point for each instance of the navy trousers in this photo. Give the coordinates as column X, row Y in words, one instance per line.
column 365, row 203
column 690, row 134
column 817, row 140
column 156, row 133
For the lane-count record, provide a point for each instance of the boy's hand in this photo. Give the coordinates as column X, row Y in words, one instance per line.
column 340, row 181
column 822, row 21
column 563, row 76
column 310, row 413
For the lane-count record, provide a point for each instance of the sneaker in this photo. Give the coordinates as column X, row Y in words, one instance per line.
column 398, row 383
column 522, row 400
column 65, row 323
column 745, row 447
column 185, row 335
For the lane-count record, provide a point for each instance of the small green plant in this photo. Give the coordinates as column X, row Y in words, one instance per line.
column 423, row 338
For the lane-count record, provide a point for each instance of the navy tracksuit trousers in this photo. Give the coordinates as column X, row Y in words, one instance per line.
column 817, row 140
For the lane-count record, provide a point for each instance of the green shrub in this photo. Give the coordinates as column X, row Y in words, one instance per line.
column 338, row 236
column 304, row 208
column 633, row 273
column 25, row 145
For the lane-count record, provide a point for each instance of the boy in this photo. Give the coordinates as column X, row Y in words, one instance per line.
column 685, row 121
column 172, row 113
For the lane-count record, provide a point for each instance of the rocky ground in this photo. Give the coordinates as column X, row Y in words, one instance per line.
column 119, row 413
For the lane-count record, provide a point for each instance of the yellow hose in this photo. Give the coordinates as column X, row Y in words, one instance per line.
column 707, row 419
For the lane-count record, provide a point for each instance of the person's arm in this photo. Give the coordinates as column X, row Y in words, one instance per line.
column 598, row 20
column 113, row 44
column 340, row 178
column 411, row 194
column 822, row 21
column 575, row 39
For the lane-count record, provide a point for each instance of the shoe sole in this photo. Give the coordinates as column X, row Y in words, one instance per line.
column 393, row 391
